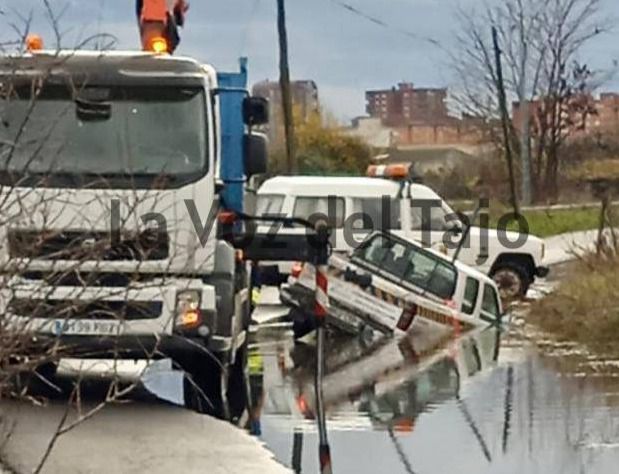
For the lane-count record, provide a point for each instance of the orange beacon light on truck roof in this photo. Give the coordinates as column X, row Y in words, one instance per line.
column 157, row 44
column 33, row 42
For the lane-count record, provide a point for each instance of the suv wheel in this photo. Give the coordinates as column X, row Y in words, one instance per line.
column 512, row 279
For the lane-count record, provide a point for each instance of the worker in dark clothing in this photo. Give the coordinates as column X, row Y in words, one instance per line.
column 161, row 19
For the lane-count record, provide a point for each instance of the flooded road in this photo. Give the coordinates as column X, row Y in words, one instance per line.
column 482, row 403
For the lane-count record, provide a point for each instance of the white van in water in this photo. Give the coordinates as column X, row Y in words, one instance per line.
column 393, row 285
column 355, row 206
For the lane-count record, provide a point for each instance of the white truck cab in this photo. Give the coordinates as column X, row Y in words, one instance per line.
column 109, row 172
column 355, row 206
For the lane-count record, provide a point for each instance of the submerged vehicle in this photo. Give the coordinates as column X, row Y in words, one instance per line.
column 390, row 284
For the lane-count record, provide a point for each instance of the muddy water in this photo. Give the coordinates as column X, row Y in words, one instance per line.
column 484, row 403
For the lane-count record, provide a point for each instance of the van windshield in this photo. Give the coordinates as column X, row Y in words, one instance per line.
column 132, row 136
column 409, row 264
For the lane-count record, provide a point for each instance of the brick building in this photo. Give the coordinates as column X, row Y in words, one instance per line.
column 602, row 115
column 405, row 104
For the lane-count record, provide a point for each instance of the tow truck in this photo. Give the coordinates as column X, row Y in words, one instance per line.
column 118, row 170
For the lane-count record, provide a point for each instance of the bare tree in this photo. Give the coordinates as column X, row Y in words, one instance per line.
column 540, row 42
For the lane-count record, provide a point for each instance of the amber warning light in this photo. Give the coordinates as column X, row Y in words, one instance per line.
column 158, row 45
column 34, row 43
column 395, row 171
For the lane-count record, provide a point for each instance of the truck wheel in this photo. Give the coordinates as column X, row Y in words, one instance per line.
column 39, row 382
column 215, row 388
column 205, row 385
column 238, row 387
column 512, row 279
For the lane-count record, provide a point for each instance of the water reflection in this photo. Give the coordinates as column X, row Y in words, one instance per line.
column 414, row 405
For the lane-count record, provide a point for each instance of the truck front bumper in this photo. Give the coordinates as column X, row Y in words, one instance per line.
column 137, row 347
column 141, row 336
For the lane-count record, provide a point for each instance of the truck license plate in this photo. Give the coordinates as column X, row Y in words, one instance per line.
column 83, row 327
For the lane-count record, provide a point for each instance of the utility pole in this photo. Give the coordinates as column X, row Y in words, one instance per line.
column 284, row 84
column 505, row 121
column 525, row 124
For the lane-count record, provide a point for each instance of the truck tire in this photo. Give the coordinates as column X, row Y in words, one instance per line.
column 205, row 385
column 513, row 280
column 238, row 385
column 217, row 388
column 41, row 381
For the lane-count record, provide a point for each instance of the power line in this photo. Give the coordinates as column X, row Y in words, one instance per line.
column 379, row 22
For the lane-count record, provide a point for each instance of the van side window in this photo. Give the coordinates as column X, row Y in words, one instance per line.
column 471, row 291
column 490, row 302
column 311, row 207
column 435, row 219
column 408, row 264
column 371, row 210
column 269, row 204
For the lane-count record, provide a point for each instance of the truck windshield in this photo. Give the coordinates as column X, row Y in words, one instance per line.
column 124, row 136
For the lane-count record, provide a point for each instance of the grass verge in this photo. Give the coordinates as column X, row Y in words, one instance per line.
column 585, row 307
column 546, row 223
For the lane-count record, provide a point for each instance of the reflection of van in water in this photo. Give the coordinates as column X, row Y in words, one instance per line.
column 356, row 206
column 402, row 379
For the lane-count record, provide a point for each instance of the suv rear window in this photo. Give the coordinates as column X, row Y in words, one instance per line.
column 409, row 264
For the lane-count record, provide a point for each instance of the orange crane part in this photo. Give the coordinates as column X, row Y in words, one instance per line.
column 159, row 21
column 154, row 10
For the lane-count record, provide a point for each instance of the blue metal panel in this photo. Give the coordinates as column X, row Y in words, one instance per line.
column 233, row 88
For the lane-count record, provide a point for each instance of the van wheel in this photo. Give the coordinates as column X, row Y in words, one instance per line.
column 512, row 279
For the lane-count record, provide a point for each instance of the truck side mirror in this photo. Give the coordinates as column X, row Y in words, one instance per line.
column 255, row 111
column 256, row 153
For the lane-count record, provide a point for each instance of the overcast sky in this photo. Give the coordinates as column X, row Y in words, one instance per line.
column 343, row 52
